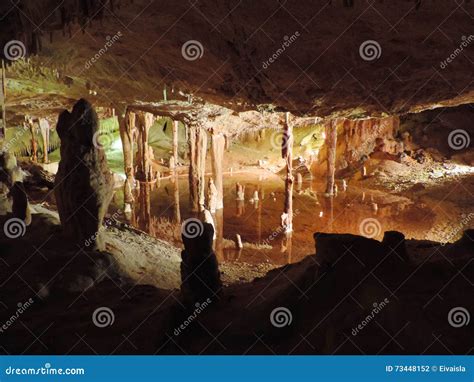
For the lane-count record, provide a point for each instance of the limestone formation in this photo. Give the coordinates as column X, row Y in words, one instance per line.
column 127, row 127
column 240, row 191
column 218, row 148
column 287, row 154
column 44, row 130
column 331, row 136
column 84, row 183
column 145, row 171
column 12, row 177
column 174, row 159
column 199, row 268
column 212, row 196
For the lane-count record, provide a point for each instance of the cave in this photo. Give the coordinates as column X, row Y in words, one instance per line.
column 236, row 177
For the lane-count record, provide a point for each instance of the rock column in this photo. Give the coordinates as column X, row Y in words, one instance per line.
column 84, row 183
column 127, row 125
column 145, row 172
column 287, row 154
column 218, row 147
column 331, row 140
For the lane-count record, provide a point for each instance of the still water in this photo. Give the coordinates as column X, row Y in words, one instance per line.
column 159, row 210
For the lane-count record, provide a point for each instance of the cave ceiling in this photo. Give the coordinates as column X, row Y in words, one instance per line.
column 312, row 58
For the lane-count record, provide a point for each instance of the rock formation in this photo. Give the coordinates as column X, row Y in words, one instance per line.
column 84, row 183
column 199, row 269
column 11, row 176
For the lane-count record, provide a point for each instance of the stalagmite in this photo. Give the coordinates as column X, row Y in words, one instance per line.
column 211, row 196
column 200, row 274
column 145, row 172
column 175, row 145
column 255, row 196
column 344, row 185
column 44, row 130
column 299, row 178
column 34, row 143
column 331, row 139
column 238, row 241
column 375, row 207
column 240, row 191
column 218, row 147
column 84, row 184
column 287, row 154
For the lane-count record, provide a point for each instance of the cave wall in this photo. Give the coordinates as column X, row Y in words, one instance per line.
column 356, row 139
column 449, row 131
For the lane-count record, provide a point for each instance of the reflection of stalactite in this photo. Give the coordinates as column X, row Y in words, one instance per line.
column 177, row 212
column 219, row 242
column 143, row 217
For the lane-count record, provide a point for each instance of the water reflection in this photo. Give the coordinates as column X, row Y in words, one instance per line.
column 159, row 209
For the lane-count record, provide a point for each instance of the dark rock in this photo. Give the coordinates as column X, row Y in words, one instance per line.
column 199, row 268
column 395, row 243
column 20, row 207
column 84, row 183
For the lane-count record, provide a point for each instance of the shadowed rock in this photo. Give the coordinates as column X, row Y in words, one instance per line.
column 12, row 176
column 84, row 183
column 199, row 268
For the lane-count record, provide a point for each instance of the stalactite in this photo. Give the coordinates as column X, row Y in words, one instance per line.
column 287, row 154
column 193, row 175
column 126, row 127
column 218, row 147
column 201, row 151
column 331, row 139
column 175, row 145
column 145, row 170
column 3, row 96
column 176, row 209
